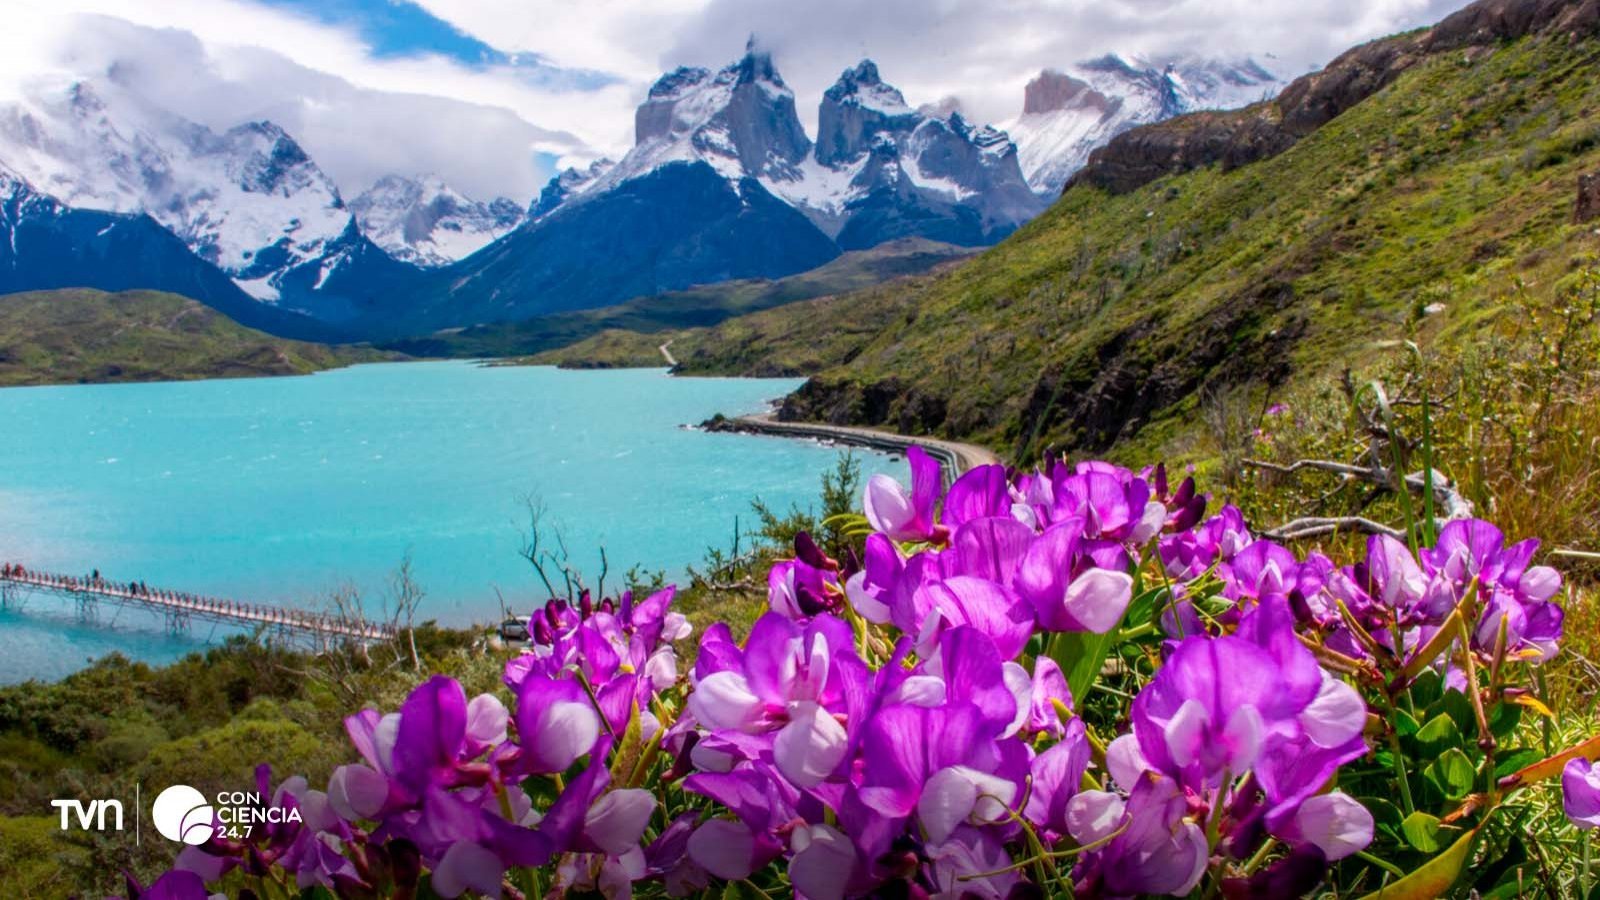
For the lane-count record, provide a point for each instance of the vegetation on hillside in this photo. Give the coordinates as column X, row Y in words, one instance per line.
column 1108, row 322
column 695, row 307
column 80, row 335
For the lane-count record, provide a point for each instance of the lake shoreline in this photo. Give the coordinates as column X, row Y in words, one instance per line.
column 955, row 456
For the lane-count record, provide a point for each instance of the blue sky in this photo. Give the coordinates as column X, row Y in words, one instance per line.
column 494, row 94
column 396, row 29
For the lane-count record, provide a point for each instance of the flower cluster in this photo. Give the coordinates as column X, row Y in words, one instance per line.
column 1070, row 679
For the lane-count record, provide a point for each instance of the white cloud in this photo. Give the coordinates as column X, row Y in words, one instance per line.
column 222, row 61
column 985, row 51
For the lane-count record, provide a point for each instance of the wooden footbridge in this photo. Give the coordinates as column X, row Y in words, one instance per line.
column 180, row 609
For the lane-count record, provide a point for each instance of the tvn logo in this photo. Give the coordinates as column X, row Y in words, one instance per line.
column 91, row 816
column 180, row 813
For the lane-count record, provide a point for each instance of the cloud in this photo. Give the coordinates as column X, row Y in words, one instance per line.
column 485, row 92
column 489, row 129
column 985, row 52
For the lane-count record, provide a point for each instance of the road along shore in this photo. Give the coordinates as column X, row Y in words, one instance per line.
column 955, row 456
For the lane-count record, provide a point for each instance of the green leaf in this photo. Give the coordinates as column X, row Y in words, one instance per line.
column 1437, row 735
column 1404, row 724
column 1383, row 812
column 1432, row 878
column 1451, row 774
column 1422, row 831
column 1516, row 759
column 1504, row 718
column 1146, row 607
column 1426, row 690
column 1459, row 708
column 1081, row 655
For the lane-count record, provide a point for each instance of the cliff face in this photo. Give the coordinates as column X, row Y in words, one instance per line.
column 1231, row 139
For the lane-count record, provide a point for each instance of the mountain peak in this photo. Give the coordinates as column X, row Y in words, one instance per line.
column 1066, row 113
column 678, row 81
column 421, row 219
column 741, row 121
column 864, row 86
column 756, row 65
column 1052, row 89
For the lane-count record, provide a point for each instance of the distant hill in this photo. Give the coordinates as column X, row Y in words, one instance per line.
column 645, row 317
column 82, row 335
column 1401, row 193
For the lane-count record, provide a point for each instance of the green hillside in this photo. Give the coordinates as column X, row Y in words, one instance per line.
column 696, row 307
column 1411, row 214
column 80, row 335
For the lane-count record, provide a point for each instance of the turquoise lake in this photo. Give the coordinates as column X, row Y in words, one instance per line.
column 283, row 490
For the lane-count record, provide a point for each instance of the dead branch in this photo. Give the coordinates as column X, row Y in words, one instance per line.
column 1450, row 502
column 1317, row 526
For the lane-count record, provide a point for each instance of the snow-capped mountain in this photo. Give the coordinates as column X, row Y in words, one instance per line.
column 248, row 200
column 424, row 221
column 883, row 170
column 1067, row 114
column 571, row 182
column 46, row 244
column 723, row 182
column 879, row 169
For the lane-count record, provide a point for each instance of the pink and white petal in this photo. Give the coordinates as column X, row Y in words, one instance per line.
column 1336, row 823
column 725, row 700
column 810, row 746
column 823, row 862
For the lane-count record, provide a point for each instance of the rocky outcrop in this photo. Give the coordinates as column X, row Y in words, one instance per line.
column 1051, row 90
column 1588, row 198
column 1142, row 155
column 855, row 111
column 1067, row 115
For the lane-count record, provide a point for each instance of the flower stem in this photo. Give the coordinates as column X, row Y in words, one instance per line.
column 1381, row 863
column 1400, row 772
column 1585, row 872
column 1260, row 856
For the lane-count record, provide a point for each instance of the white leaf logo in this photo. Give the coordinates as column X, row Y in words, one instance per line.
column 182, row 813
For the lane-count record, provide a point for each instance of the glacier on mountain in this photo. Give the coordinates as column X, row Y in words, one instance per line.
column 424, row 221
column 1068, row 113
column 248, row 200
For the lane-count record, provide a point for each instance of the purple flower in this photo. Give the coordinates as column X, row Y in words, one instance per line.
column 1111, row 502
column 1157, row 848
column 1067, row 592
column 557, row 723
column 174, row 885
column 1510, row 591
column 904, row 517
column 869, row 589
column 1580, row 792
column 1188, row 554
column 980, row 493
column 788, row 684
column 1057, row 774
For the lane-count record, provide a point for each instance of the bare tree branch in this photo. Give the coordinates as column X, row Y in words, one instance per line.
column 1317, row 526
column 1451, row 504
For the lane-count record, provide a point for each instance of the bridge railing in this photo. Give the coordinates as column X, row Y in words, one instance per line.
column 184, row 602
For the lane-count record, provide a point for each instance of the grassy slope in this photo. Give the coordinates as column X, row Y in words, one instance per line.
column 1100, row 324
column 696, row 307
column 80, row 335
column 775, row 342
